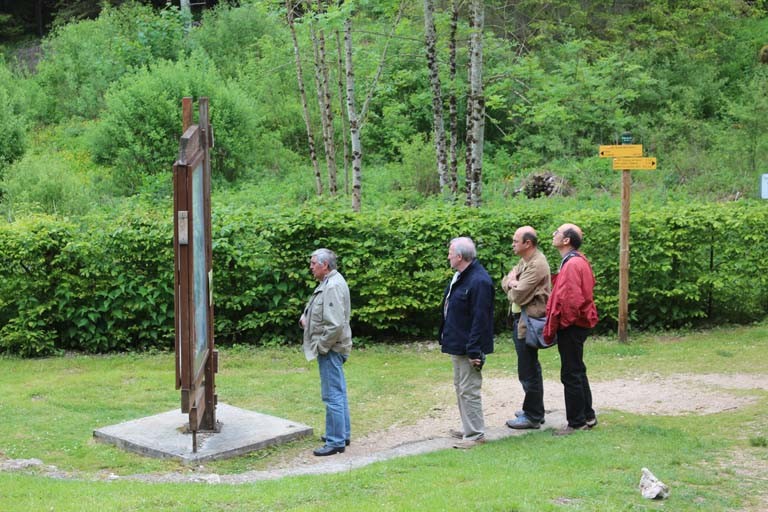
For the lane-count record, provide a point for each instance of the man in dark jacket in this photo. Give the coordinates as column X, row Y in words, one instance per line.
column 466, row 333
column 571, row 313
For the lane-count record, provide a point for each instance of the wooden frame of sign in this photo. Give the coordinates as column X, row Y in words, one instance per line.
column 196, row 357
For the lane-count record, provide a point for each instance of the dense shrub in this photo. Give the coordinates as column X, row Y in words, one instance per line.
column 139, row 131
column 81, row 60
column 12, row 122
column 45, row 183
column 110, row 287
column 105, row 289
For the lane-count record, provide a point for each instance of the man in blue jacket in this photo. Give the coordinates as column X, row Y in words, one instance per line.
column 466, row 333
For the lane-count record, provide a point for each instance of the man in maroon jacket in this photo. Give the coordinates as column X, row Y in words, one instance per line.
column 571, row 313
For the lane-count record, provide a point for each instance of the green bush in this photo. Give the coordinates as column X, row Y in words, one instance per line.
column 45, row 183
column 13, row 139
column 81, row 60
column 29, row 252
column 109, row 285
column 139, row 131
column 107, row 288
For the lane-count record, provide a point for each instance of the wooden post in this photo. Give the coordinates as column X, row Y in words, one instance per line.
column 626, row 182
column 626, row 157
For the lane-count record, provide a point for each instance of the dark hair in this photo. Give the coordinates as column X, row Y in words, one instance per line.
column 573, row 236
column 531, row 237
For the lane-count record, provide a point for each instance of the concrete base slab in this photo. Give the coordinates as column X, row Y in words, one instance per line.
column 166, row 435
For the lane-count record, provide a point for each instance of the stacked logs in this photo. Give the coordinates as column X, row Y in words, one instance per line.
column 543, row 184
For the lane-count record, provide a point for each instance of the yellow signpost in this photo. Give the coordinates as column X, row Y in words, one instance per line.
column 626, row 157
column 634, row 164
column 621, row 150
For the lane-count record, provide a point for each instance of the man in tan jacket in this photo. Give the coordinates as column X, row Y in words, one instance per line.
column 528, row 287
column 328, row 337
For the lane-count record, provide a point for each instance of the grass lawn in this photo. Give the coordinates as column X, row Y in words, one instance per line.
column 715, row 462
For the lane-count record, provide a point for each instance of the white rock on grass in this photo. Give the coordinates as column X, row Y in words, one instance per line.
column 652, row 488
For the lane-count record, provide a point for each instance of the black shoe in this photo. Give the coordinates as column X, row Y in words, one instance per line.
column 592, row 423
column 323, row 439
column 521, row 412
column 328, row 450
column 523, row 422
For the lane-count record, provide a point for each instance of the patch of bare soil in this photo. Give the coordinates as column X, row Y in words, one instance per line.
column 646, row 394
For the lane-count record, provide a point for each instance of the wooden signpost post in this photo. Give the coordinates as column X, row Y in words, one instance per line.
column 627, row 157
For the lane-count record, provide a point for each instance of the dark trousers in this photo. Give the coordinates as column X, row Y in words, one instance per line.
column 529, row 373
column 573, row 375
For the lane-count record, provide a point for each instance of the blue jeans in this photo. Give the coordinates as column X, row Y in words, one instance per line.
column 529, row 374
column 573, row 375
column 333, row 387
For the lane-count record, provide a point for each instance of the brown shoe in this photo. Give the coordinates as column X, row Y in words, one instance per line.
column 568, row 430
column 469, row 443
column 456, row 434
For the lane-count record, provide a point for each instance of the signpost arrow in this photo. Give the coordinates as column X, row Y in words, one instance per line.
column 634, row 164
column 621, row 151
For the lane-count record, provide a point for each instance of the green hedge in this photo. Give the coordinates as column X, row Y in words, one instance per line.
column 110, row 286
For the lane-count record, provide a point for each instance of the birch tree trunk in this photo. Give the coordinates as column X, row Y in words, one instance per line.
column 354, row 128
column 430, row 39
column 453, row 178
column 478, row 101
column 356, row 120
column 303, row 94
column 470, row 132
column 340, row 73
column 323, row 100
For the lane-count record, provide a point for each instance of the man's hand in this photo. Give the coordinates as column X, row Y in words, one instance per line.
column 303, row 321
column 511, row 279
column 477, row 363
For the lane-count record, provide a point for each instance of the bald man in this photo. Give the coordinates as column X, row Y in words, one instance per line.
column 527, row 287
column 571, row 313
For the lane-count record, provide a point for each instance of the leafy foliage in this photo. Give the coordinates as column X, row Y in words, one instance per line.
column 13, row 127
column 111, row 287
column 46, row 183
column 81, row 60
column 139, row 130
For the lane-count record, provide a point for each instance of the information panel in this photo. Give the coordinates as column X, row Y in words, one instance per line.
column 200, row 272
column 764, row 186
column 196, row 356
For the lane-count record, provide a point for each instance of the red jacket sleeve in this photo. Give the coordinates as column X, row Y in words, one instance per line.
column 572, row 300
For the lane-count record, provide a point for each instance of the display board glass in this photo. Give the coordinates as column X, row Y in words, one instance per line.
column 199, row 272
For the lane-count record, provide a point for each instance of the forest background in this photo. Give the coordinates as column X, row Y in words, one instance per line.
column 90, row 120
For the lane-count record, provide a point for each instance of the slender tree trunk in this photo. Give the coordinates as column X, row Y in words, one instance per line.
column 328, row 103
column 326, row 115
column 430, row 40
column 452, row 103
column 356, row 120
column 470, row 131
column 303, row 94
column 354, row 128
column 478, row 101
column 341, row 112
